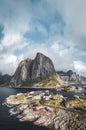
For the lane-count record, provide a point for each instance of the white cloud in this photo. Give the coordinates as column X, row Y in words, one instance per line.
column 80, row 67
column 61, row 55
column 14, row 15
column 74, row 17
column 19, row 17
column 9, row 63
column 12, row 42
column 73, row 12
column 10, row 39
column 61, row 61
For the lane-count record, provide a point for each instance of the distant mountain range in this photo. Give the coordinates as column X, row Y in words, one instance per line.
column 5, row 79
column 71, row 77
column 40, row 72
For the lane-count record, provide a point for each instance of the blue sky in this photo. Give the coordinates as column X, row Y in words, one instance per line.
column 54, row 27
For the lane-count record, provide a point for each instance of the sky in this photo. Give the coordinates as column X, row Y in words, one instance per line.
column 56, row 28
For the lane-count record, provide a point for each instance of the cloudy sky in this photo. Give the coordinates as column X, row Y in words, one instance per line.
column 56, row 28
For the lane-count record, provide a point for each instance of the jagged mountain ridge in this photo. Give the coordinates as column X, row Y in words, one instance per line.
column 70, row 76
column 39, row 70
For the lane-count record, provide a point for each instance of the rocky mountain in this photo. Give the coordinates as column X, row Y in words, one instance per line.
column 83, row 79
column 39, row 72
column 70, row 76
column 5, row 79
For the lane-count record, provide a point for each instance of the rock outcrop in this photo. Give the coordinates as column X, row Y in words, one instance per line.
column 33, row 71
column 69, row 76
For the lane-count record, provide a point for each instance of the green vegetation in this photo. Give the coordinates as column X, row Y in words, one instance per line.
column 76, row 103
column 55, row 102
column 50, row 81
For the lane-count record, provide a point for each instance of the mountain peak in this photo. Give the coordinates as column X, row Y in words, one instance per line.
column 39, row 54
column 33, row 71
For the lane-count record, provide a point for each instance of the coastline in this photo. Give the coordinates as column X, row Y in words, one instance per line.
column 41, row 114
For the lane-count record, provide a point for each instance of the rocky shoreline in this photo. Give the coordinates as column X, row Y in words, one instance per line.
column 47, row 109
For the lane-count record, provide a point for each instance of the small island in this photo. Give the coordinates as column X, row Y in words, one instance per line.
column 45, row 108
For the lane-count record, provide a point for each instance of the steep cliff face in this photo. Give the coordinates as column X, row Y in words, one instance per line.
column 33, row 71
column 73, row 77
column 22, row 73
column 41, row 67
column 69, row 76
